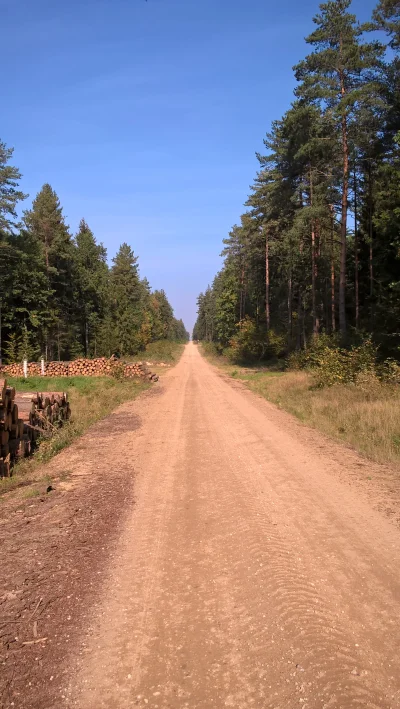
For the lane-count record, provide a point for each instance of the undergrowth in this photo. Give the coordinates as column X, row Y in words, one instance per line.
column 161, row 351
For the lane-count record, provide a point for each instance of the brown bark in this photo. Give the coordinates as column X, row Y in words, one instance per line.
column 241, row 304
column 343, row 229
column 356, row 255
column 314, row 267
column 313, row 262
column 371, row 235
column 299, row 320
column 333, row 306
column 313, row 282
column 86, row 338
column 267, row 307
column 290, row 310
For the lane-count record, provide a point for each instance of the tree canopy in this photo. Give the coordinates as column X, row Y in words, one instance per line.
column 318, row 248
column 58, row 296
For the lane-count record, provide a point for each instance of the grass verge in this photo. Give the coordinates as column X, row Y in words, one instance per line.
column 91, row 398
column 367, row 417
column 161, row 351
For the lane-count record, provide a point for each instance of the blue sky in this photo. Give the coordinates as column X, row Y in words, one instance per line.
column 145, row 117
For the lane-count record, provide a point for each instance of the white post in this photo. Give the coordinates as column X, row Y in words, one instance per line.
column 25, row 366
column 42, row 369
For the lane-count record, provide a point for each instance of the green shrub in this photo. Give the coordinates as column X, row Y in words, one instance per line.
column 253, row 342
column 212, row 349
column 389, row 372
column 118, row 370
column 332, row 364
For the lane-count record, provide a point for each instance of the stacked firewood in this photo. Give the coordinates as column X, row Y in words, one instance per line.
column 23, row 418
column 98, row 367
column 56, row 369
column 138, row 369
column 17, row 370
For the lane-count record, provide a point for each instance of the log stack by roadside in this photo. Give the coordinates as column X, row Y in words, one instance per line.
column 97, row 367
column 17, row 370
column 138, row 369
column 23, row 418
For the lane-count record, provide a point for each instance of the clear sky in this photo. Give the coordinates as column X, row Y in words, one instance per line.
column 145, row 117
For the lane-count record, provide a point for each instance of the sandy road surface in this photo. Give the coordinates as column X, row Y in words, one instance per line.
column 248, row 573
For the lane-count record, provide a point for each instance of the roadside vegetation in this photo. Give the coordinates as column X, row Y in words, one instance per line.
column 362, row 410
column 59, row 297
column 166, row 351
column 91, row 398
column 306, row 305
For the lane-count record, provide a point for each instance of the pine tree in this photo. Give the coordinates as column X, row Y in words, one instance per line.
column 126, row 290
column 45, row 222
column 163, row 316
column 338, row 75
column 25, row 294
column 387, row 17
column 91, row 281
column 10, row 195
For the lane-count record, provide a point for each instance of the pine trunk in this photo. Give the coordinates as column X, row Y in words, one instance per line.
column 86, row 338
column 290, row 311
column 241, row 306
column 343, row 230
column 313, row 282
column 371, row 246
column 356, row 255
column 267, row 308
column 299, row 321
column 333, row 305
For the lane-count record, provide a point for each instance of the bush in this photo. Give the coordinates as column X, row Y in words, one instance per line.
column 341, row 366
column 118, row 370
column 212, row 349
column 253, row 343
column 332, row 364
column 311, row 357
column 389, row 372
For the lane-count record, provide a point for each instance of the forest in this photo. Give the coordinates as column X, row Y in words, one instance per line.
column 58, row 296
column 316, row 254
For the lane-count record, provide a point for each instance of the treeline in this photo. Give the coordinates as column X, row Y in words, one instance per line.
column 318, row 247
column 58, row 296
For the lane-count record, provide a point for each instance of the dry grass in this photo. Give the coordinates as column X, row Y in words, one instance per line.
column 368, row 420
column 365, row 416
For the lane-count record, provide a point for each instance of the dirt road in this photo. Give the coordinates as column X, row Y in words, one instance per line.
column 256, row 568
column 248, row 574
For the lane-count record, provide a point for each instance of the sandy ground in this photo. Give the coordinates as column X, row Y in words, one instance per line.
column 241, row 560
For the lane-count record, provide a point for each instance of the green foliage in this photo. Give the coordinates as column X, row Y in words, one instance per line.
column 59, row 298
column 336, row 365
column 166, row 351
column 11, row 349
column 91, row 288
column 295, row 266
column 118, row 370
column 252, row 342
column 10, row 195
column 126, row 300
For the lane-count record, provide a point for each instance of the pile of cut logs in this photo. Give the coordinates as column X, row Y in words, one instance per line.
column 98, row 367
column 137, row 369
column 23, row 418
column 17, row 370
column 101, row 366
